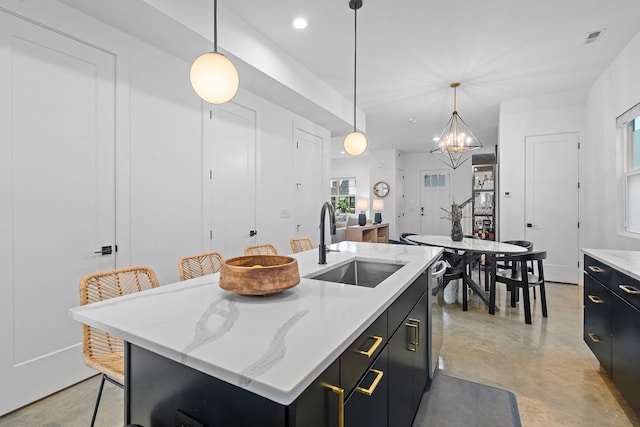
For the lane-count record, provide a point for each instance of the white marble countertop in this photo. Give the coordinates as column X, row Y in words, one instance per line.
column 627, row 262
column 274, row 346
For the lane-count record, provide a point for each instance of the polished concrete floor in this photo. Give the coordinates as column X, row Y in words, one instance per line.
column 556, row 379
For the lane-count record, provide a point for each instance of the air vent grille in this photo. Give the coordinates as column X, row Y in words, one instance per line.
column 593, row 36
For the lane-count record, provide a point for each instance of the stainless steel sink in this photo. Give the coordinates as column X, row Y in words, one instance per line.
column 358, row 273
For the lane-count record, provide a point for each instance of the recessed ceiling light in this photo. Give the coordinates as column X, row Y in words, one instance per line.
column 300, row 23
column 436, row 138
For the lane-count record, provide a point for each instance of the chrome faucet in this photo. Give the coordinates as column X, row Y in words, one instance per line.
column 322, row 248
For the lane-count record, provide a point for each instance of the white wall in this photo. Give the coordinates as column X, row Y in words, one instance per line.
column 383, row 165
column 558, row 113
column 593, row 115
column 414, row 163
column 159, row 134
column 166, row 210
column 617, row 90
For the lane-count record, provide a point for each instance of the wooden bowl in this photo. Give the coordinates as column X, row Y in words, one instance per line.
column 259, row 274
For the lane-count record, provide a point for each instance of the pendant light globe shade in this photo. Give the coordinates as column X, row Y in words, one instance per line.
column 214, row 78
column 355, row 143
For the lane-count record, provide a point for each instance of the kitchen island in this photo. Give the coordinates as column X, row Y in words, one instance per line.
column 217, row 357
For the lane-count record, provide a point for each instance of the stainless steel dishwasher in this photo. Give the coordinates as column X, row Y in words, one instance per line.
column 436, row 298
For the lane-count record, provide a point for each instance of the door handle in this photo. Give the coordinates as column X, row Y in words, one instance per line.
column 253, row 233
column 529, row 225
column 106, row 250
column 376, row 342
column 369, row 391
column 340, row 392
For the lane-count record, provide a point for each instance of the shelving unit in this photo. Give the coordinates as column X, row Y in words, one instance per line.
column 373, row 233
column 484, row 196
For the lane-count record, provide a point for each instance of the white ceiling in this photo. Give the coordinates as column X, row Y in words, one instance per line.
column 409, row 51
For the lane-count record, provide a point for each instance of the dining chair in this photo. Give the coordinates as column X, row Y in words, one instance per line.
column 199, row 265
column 263, row 249
column 519, row 277
column 524, row 243
column 403, row 238
column 301, row 244
column 104, row 352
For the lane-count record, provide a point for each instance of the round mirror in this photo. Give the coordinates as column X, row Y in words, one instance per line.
column 381, row 189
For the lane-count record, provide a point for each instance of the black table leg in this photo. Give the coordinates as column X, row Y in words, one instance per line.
column 475, row 287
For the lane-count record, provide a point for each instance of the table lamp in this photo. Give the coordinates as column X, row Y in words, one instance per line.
column 362, row 205
column 378, row 207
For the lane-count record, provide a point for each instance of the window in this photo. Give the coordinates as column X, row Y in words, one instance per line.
column 630, row 122
column 343, row 194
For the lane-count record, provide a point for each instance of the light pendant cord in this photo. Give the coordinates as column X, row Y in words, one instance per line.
column 355, row 61
column 454, row 99
column 215, row 26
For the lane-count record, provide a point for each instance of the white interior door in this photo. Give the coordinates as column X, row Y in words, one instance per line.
column 551, row 203
column 400, row 205
column 307, row 170
column 56, row 201
column 435, row 195
column 230, row 184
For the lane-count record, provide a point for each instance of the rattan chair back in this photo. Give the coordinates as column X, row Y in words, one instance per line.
column 263, row 249
column 301, row 244
column 199, row 265
column 102, row 351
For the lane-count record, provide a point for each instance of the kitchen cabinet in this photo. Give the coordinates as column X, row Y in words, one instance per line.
column 408, row 370
column 483, row 211
column 367, row 405
column 625, row 338
column 597, row 320
column 612, row 325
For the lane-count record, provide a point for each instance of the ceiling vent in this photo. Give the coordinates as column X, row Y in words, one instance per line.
column 593, row 36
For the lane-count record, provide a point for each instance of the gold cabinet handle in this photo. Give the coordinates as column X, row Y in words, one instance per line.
column 629, row 289
column 596, row 269
column 369, row 391
column 593, row 337
column 340, row 392
column 414, row 341
column 375, row 345
column 595, row 299
column 417, row 323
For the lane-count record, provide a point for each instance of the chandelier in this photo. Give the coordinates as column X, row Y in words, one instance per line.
column 457, row 142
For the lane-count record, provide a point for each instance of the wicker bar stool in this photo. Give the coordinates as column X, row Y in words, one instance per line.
column 263, row 249
column 101, row 351
column 301, row 244
column 199, row 265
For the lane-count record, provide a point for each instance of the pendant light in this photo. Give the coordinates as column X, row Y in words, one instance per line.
column 355, row 143
column 213, row 76
column 457, row 142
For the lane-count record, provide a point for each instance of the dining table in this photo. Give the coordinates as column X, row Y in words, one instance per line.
column 471, row 248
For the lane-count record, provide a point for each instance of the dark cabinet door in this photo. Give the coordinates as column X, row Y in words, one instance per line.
column 420, row 375
column 625, row 363
column 597, row 320
column 367, row 405
column 319, row 404
column 408, row 366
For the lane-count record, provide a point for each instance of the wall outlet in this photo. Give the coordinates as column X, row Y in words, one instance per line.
column 184, row 420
